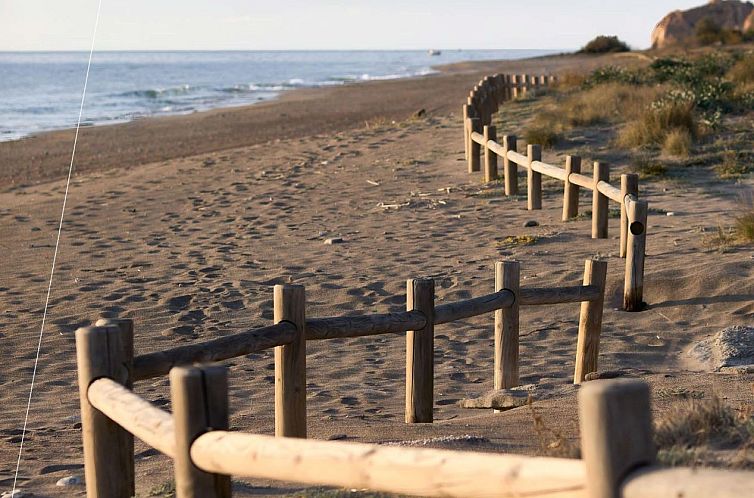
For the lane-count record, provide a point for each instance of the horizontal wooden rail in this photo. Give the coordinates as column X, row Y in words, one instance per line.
column 135, row 414
column 159, row 363
column 478, row 138
column 574, row 294
column 460, row 310
column 656, row 482
column 581, row 180
column 411, row 471
column 364, row 325
column 496, row 148
column 611, row 192
column 517, row 158
column 549, row 170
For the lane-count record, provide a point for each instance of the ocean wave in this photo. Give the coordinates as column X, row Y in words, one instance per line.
column 156, row 93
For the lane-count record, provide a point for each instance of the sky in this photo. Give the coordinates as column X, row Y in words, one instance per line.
column 326, row 24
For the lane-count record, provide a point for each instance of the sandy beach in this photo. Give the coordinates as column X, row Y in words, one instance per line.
column 185, row 223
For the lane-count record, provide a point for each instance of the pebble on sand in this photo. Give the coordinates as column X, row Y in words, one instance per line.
column 531, row 223
column 333, row 240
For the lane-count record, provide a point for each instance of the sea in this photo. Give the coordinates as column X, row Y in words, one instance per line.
column 42, row 91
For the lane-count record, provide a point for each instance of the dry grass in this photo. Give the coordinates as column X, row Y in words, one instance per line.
column 654, row 124
column 687, row 431
column 607, row 103
column 732, row 166
column 516, row 240
column 569, row 81
column 743, row 70
column 544, row 134
column 721, row 240
column 745, row 226
column 552, row 442
column 677, row 143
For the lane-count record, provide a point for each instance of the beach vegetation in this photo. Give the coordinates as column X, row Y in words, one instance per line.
column 544, row 133
column 677, row 143
column 689, row 431
column 605, row 44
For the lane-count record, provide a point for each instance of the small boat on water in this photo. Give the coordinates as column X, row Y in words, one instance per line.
column 433, row 51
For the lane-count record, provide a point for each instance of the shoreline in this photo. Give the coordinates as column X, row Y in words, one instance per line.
column 295, row 113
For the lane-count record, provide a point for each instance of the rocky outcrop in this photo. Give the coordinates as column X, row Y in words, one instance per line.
column 749, row 23
column 678, row 27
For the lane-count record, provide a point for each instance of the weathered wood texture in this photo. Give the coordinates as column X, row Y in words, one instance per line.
column 616, row 433
column 570, row 189
column 590, row 322
column 159, row 363
column 476, row 306
column 534, row 184
column 629, row 185
column 549, row 170
column 363, row 325
column 290, row 363
column 490, row 158
column 108, row 448
column 475, row 125
column 420, row 354
column 599, row 202
column 510, row 169
column 505, row 373
column 410, row 471
column 531, row 296
column 633, row 287
column 663, row 482
column 518, row 159
column 134, row 414
column 199, row 398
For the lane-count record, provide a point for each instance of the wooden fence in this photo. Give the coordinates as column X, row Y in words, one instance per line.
column 480, row 138
column 616, row 437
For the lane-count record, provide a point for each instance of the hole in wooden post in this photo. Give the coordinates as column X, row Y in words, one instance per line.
column 637, row 228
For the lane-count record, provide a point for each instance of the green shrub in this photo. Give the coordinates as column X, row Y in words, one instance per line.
column 708, row 32
column 605, row 44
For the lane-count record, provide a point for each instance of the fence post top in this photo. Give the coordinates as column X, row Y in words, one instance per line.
column 289, row 286
column 612, row 388
column 596, row 261
column 423, row 281
column 193, row 371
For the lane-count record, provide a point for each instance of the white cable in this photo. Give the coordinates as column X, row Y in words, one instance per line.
column 57, row 245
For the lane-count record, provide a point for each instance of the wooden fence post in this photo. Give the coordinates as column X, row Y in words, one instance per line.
column 600, row 201
column 571, row 190
column 514, row 86
column 475, row 159
column 616, row 433
column 199, row 398
column 420, row 296
column 508, row 87
column 629, row 185
column 510, row 169
column 633, row 287
column 108, row 448
column 490, row 158
column 534, row 201
column 290, row 364
column 507, row 276
column 590, row 322
column 466, row 110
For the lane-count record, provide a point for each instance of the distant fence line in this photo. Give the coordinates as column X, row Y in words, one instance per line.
column 480, row 139
column 615, row 422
